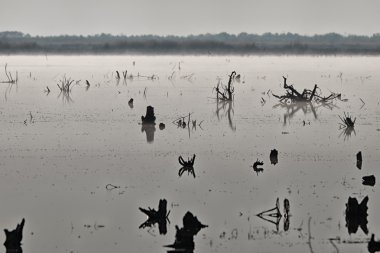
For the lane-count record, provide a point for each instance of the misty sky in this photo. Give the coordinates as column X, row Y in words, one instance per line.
column 180, row 17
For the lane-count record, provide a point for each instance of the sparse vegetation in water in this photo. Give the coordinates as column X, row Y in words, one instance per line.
column 11, row 79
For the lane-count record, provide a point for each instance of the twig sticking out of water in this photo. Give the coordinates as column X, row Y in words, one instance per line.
column 226, row 92
column 9, row 76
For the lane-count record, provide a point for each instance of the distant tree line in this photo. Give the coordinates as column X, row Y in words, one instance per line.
column 222, row 43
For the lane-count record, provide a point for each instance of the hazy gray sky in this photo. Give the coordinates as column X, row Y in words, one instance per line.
column 182, row 17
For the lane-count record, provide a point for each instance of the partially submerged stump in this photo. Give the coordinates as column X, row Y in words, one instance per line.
column 273, row 156
column 149, row 116
column 356, row 215
column 369, row 180
column 373, row 245
column 184, row 237
column 14, row 237
column 160, row 216
column 359, row 160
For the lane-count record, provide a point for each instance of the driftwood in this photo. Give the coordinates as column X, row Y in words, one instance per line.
column 161, row 216
column 14, row 237
column 293, row 96
column 226, row 92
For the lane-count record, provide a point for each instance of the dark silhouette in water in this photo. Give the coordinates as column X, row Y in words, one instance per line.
column 184, row 237
column 359, row 160
column 369, row 180
column 160, row 217
column 149, row 129
column 161, row 126
column 130, row 103
column 256, row 167
column 356, row 215
column 186, row 166
column 273, row 156
column 149, row 116
column 274, row 215
column 373, row 246
column 13, row 238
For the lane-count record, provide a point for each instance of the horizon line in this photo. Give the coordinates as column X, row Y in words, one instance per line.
column 189, row 35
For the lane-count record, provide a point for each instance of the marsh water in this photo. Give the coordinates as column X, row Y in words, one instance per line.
column 58, row 153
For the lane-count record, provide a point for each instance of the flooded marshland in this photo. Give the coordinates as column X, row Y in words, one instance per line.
column 78, row 165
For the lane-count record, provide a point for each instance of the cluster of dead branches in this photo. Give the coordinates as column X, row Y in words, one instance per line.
column 294, row 96
column 9, row 76
column 226, row 92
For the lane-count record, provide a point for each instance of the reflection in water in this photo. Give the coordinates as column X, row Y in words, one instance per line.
column 13, row 238
column 274, row 215
column 65, row 96
column 356, row 215
column 305, row 107
column 227, row 107
column 184, row 237
column 161, row 216
column 373, row 245
column 347, row 132
column 293, row 108
column 149, row 130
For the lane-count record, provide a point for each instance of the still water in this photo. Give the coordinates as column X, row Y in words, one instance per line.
column 59, row 151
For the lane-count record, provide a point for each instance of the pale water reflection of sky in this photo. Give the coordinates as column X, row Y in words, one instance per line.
column 178, row 17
